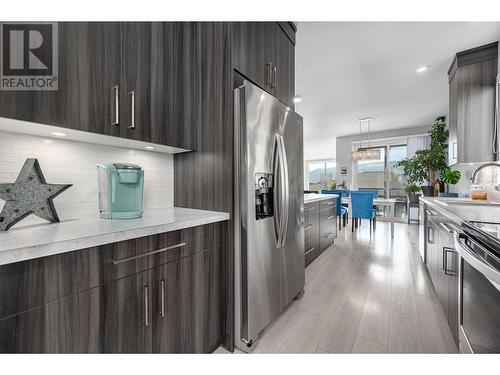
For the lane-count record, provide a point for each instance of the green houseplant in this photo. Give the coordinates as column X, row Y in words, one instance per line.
column 450, row 177
column 426, row 164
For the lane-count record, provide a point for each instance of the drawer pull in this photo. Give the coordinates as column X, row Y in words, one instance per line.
column 330, row 203
column 331, row 217
column 329, row 235
column 309, row 250
column 146, row 306
column 120, row 261
column 430, row 213
column 162, row 298
column 310, row 208
column 309, row 226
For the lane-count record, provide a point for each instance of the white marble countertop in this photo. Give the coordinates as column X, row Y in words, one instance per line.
column 36, row 241
column 311, row 198
column 460, row 209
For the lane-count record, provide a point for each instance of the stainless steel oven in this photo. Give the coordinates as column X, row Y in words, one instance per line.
column 479, row 291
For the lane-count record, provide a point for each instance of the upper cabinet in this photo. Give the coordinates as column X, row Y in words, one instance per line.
column 264, row 52
column 136, row 80
column 472, row 78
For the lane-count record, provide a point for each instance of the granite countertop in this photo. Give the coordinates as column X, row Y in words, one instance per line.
column 36, row 241
column 460, row 209
column 311, row 198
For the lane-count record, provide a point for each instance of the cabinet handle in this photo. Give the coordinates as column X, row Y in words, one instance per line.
column 162, row 298
column 269, row 73
column 116, row 93
column 330, row 203
column 120, row 261
column 447, row 250
column 132, row 110
column 308, row 226
column 274, row 82
column 310, row 208
column 430, row 213
column 429, row 235
column 330, row 235
column 309, row 250
column 449, row 227
column 331, row 217
column 146, row 306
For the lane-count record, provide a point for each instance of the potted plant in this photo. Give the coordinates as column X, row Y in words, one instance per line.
column 426, row 164
column 415, row 173
column 412, row 191
column 450, row 177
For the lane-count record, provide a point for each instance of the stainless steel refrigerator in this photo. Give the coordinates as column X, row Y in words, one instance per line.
column 269, row 211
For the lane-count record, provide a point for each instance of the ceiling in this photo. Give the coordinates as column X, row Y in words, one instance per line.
column 349, row 70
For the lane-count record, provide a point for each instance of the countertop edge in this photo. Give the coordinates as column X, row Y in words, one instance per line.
column 20, row 254
column 432, row 202
column 320, row 197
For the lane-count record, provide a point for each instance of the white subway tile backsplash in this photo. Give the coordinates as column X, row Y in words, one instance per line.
column 75, row 163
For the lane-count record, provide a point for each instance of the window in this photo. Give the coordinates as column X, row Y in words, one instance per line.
column 371, row 171
column 321, row 174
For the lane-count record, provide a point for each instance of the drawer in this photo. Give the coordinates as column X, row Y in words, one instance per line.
column 311, row 255
column 32, row 283
column 327, row 237
column 328, row 204
column 99, row 265
column 327, row 218
column 311, row 211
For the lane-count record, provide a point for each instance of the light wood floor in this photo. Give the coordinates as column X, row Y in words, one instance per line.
column 365, row 294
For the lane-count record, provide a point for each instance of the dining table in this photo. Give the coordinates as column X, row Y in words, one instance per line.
column 387, row 202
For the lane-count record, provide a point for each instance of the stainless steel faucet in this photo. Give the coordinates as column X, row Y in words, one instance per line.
column 476, row 172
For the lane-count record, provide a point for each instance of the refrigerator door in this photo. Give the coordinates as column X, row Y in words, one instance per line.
column 293, row 276
column 260, row 257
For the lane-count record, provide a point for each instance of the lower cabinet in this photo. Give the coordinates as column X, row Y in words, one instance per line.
column 171, row 304
column 442, row 264
column 320, row 225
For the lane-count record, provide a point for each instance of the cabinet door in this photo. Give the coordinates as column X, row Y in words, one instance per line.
column 187, row 304
column 70, row 325
column 442, row 284
column 126, row 314
column 285, row 68
column 452, row 123
column 452, row 274
column 254, row 46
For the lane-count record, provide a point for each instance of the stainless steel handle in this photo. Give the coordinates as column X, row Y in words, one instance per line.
column 491, row 274
column 116, row 92
column 447, row 250
column 146, row 305
column 269, row 73
column 330, row 203
column 310, row 208
column 430, row 213
column 132, row 110
column 286, row 192
column 162, row 298
column 275, row 161
column 495, row 129
column 331, row 217
column 447, row 227
column 274, row 79
column 309, row 250
column 429, row 235
column 120, row 261
column 307, row 227
column 330, row 235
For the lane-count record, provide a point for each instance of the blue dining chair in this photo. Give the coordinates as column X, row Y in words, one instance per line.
column 362, row 208
column 342, row 212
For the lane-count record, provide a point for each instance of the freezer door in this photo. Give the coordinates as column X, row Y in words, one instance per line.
column 292, row 278
column 261, row 259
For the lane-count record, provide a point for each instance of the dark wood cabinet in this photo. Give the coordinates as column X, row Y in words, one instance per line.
column 472, row 78
column 264, row 53
column 320, row 228
column 119, row 299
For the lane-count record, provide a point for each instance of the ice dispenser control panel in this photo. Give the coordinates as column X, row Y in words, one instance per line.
column 263, row 195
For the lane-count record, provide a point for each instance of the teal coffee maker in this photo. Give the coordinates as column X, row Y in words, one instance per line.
column 121, row 188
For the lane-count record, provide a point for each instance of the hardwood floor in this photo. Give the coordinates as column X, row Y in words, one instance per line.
column 365, row 294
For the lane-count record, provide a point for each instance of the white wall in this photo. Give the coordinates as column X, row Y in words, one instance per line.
column 75, row 163
column 345, row 147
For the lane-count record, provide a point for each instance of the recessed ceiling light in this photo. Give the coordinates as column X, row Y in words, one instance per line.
column 149, row 148
column 58, row 134
column 47, row 141
column 422, row 69
column 297, row 99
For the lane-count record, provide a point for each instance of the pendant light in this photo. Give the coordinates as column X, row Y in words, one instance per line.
column 366, row 154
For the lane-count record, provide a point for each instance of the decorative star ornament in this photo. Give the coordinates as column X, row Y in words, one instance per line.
column 30, row 194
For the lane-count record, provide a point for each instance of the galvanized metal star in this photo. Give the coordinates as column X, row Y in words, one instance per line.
column 30, row 194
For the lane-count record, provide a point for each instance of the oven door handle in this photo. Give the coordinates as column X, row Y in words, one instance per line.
column 490, row 273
